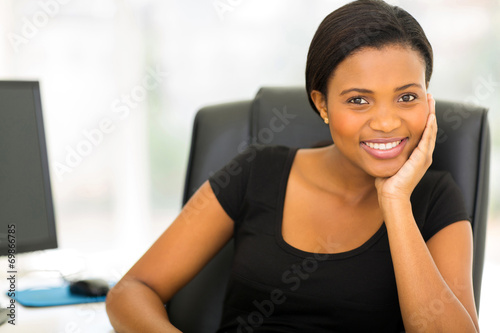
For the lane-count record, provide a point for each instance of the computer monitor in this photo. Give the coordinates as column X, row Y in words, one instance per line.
column 25, row 191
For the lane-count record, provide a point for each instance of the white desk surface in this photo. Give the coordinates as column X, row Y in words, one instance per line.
column 80, row 318
column 90, row 245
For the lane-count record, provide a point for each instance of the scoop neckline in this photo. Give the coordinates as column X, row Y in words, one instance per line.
column 280, row 205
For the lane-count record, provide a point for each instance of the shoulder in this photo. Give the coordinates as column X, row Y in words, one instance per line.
column 254, row 163
column 265, row 151
column 432, row 176
column 432, row 182
column 437, row 201
column 256, row 154
column 253, row 175
column 430, row 186
column 253, row 155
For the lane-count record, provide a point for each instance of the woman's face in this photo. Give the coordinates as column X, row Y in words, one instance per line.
column 377, row 107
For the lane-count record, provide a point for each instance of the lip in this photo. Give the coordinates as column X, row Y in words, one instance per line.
column 385, row 154
column 385, row 140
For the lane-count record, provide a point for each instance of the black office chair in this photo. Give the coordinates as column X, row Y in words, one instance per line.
column 283, row 116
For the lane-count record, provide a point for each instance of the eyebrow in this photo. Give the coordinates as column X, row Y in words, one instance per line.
column 406, row 86
column 367, row 91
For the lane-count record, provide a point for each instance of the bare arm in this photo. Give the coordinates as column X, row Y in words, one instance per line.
column 135, row 304
column 134, row 307
column 434, row 280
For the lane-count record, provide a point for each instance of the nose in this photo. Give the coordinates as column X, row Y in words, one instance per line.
column 385, row 119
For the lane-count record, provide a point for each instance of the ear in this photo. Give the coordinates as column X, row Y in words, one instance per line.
column 319, row 101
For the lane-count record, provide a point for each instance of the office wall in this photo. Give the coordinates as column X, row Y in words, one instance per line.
column 122, row 80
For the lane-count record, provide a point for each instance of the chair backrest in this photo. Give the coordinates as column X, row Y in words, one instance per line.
column 283, row 116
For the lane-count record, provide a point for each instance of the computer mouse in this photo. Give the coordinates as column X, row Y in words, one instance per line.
column 89, row 287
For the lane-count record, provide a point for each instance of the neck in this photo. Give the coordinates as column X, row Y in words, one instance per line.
column 354, row 183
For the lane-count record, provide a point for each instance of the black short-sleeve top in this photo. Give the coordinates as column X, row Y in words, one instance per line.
column 274, row 287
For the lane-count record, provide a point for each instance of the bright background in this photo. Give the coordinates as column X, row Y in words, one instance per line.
column 92, row 57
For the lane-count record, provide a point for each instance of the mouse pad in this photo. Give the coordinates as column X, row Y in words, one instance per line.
column 53, row 296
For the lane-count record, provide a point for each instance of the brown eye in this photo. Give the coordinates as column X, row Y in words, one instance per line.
column 406, row 98
column 358, row 100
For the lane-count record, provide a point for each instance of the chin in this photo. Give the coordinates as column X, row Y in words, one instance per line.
column 384, row 172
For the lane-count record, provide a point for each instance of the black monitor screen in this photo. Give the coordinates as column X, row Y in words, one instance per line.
column 26, row 209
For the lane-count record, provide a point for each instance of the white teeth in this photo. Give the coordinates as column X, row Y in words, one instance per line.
column 383, row 146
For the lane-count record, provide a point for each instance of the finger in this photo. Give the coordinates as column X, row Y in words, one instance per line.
column 430, row 132
column 433, row 120
column 428, row 139
column 431, row 104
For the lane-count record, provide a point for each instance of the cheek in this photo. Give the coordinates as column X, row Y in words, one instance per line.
column 345, row 125
column 416, row 122
column 421, row 120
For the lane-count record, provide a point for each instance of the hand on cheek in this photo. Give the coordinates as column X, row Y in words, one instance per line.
column 401, row 185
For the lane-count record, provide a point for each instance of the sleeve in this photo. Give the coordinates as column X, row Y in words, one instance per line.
column 229, row 183
column 446, row 206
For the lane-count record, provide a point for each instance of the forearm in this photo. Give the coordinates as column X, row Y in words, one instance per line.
column 134, row 307
column 427, row 302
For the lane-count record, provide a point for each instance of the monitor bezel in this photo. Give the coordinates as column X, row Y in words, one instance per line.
column 50, row 242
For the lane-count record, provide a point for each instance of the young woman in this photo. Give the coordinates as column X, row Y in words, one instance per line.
column 357, row 236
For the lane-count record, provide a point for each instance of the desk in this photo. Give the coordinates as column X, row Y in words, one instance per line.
column 107, row 254
column 80, row 318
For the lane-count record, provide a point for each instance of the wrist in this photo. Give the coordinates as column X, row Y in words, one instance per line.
column 393, row 199
column 395, row 207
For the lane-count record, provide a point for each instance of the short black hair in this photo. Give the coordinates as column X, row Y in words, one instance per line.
column 359, row 24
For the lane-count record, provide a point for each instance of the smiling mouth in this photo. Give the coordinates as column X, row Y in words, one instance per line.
column 383, row 146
